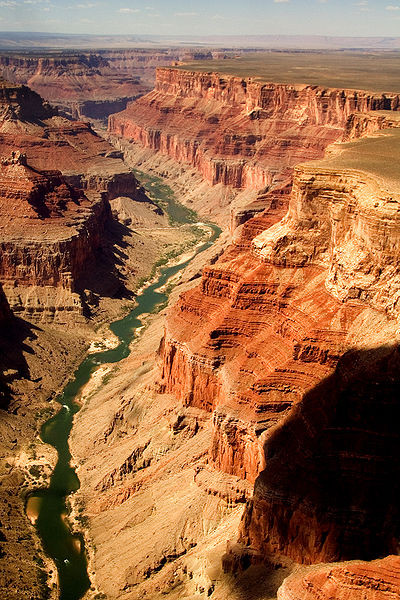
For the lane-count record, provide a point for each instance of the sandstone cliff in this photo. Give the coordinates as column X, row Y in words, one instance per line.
column 377, row 580
column 90, row 84
column 237, row 131
column 56, row 180
column 290, row 340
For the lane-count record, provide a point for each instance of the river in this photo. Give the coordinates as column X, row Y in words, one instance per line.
column 50, row 504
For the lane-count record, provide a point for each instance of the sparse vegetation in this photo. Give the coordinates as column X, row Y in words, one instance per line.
column 374, row 71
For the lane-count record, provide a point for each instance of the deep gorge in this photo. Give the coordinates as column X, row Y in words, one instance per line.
column 250, row 431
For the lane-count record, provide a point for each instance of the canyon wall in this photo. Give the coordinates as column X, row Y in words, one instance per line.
column 91, row 84
column 377, row 580
column 290, row 341
column 239, row 131
column 56, row 180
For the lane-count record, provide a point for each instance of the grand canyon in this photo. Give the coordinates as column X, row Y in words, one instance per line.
column 199, row 324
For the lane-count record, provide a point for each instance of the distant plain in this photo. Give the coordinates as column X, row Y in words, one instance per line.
column 377, row 71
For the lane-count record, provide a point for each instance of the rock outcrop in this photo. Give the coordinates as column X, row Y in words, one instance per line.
column 60, row 226
column 377, row 580
column 291, row 342
column 239, row 131
column 56, row 180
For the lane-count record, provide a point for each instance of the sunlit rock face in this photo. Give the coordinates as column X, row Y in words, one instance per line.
column 291, row 341
column 56, row 180
column 377, row 580
column 92, row 84
column 236, row 131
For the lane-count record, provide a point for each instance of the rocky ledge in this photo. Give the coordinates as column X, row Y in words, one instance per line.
column 377, row 580
column 56, row 180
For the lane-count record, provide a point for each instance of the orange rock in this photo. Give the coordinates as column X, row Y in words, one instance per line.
column 56, row 178
column 291, row 340
column 377, row 580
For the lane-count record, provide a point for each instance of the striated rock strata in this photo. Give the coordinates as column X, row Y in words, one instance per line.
column 377, row 580
column 50, row 229
column 290, row 341
column 239, row 131
column 56, row 180
column 90, row 84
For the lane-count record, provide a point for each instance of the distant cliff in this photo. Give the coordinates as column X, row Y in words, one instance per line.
column 236, row 131
column 56, row 180
column 89, row 84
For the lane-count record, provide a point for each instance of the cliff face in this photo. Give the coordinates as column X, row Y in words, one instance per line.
column 89, row 84
column 353, row 581
column 290, row 340
column 56, row 179
column 240, row 132
column 61, row 227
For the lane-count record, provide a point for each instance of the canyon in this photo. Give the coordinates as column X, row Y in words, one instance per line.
column 241, row 449
column 91, row 84
column 77, row 235
column 258, row 421
column 239, row 131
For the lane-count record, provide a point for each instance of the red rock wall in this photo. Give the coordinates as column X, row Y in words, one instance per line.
column 272, row 320
column 52, row 221
column 377, row 580
column 236, row 131
column 55, row 262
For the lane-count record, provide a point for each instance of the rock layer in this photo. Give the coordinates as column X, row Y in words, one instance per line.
column 240, row 132
column 56, row 180
column 378, row 580
column 90, row 84
column 290, row 340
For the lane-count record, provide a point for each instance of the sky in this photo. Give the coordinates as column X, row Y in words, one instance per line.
column 204, row 17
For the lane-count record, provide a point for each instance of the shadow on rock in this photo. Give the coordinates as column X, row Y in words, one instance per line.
column 15, row 334
column 103, row 275
column 331, row 487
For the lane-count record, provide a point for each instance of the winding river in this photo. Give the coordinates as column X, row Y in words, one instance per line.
column 65, row 548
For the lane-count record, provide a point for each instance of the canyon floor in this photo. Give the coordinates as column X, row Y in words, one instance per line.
column 241, row 450
column 43, row 359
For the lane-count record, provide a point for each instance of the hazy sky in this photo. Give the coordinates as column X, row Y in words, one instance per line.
column 177, row 17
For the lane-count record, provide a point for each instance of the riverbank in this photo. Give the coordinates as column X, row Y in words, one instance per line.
column 88, row 380
column 45, row 355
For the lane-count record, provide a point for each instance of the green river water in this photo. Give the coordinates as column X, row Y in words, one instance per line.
column 65, row 548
